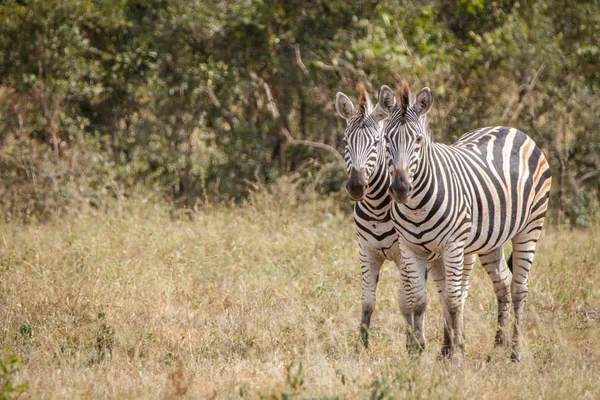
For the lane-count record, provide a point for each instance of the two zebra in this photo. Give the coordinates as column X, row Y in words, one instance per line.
column 432, row 208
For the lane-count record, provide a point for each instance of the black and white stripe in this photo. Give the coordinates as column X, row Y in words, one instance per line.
column 368, row 183
column 452, row 202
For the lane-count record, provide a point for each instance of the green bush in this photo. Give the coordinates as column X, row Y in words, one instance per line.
column 10, row 366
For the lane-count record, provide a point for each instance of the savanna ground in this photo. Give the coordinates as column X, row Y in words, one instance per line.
column 263, row 300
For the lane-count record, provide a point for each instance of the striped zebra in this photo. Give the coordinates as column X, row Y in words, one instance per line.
column 453, row 202
column 368, row 183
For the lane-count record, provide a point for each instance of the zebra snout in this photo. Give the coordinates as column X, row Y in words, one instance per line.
column 400, row 187
column 357, row 184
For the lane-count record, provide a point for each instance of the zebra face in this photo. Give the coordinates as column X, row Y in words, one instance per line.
column 361, row 142
column 405, row 136
column 403, row 153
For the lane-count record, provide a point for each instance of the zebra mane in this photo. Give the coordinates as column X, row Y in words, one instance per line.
column 407, row 100
column 364, row 104
column 405, row 97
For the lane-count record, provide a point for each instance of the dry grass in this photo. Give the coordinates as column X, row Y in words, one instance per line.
column 265, row 301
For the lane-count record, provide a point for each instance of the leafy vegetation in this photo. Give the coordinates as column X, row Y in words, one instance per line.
column 195, row 101
column 9, row 368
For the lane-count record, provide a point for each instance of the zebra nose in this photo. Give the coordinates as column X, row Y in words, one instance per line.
column 357, row 184
column 400, row 186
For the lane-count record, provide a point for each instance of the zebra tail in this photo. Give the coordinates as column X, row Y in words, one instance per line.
column 509, row 262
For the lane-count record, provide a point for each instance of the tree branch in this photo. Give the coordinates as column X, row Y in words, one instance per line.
column 310, row 143
column 523, row 91
column 286, row 132
column 48, row 114
column 587, row 175
column 299, row 59
column 406, row 48
column 213, row 97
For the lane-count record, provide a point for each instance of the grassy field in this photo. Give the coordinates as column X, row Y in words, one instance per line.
column 264, row 302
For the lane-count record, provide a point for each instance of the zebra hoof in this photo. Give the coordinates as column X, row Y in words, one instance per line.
column 457, row 362
column 415, row 349
column 499, row 341
column 515, row 357
column 445, row 353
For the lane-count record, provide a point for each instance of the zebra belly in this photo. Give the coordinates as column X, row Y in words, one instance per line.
column 504, row 181
column 378, row 237
column 430, row 238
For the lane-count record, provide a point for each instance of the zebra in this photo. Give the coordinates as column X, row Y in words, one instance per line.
column 368, row 183
column 452, row 202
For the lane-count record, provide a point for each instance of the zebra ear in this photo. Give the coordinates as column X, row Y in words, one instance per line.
column 379, row 114
column 424, row 101
column 344, row 106
column 386, row 101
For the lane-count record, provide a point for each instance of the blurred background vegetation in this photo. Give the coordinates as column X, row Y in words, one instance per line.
column 195, row 102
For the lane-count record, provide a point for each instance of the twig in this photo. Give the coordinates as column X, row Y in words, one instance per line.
column 523, row 91
column 213, row 97
column 286, row 132
column 299, row 59
column 310, row 143
column 588, row 175
column 274, row 109
column 405, row 44
column 48, row 114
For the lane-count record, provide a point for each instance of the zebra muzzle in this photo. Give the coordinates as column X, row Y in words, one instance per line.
column 401, row 186
column 357, row 183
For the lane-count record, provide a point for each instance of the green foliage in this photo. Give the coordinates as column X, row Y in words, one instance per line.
column 294, row 382
column 190, row 100
column 405, row 382
column 104, row 340
column 10, row 365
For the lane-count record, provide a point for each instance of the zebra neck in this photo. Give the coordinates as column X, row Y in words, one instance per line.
column 425, row 183
column 377, row 196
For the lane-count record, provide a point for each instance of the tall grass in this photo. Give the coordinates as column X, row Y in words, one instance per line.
column 263, row 300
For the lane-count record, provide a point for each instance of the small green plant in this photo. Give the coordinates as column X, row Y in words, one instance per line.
column 380, row 389
column 104, row 339
column 26, row 331
column 10, row 364
column 294, row 380
column 168, row 358
column 342, row 376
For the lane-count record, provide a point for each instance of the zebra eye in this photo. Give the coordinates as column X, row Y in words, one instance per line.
column 419, row 138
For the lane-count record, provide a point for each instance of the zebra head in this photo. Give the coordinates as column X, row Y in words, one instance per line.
column 406, row 134
column 361, row 140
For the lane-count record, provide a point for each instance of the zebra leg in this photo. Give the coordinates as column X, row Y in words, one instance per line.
column 524, row 244
column 453, row 298
column 436, row 271
column 469, row 262
column 371, row 263
column 412, row 298
column 497, row 269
